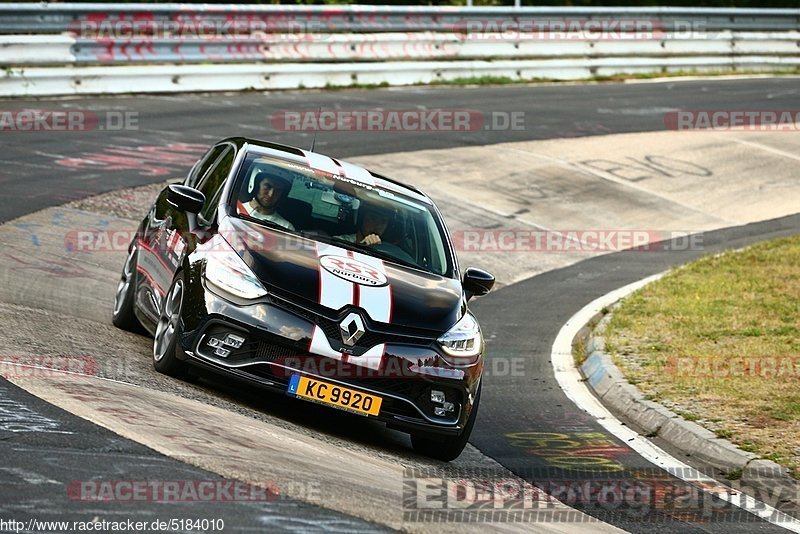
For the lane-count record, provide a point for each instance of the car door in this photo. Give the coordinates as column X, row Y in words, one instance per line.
column 201, row 168
column 170, row 234
column 212, row 184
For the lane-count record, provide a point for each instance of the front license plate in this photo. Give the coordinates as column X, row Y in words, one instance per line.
column 333, row 395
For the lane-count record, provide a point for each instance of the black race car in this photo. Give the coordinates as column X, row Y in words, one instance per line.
column 316, row 277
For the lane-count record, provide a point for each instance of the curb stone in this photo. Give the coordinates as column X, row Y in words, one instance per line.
column 607, row 382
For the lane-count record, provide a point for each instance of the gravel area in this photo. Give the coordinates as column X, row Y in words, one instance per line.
column 125, row 204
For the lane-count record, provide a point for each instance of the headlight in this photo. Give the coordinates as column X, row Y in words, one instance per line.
column 463, row 343
column 227, row 271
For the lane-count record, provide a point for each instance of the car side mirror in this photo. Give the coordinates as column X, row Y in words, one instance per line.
column 185, row 198
column 477, row 282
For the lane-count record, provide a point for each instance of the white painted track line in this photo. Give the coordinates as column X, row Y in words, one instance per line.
column 571, row 381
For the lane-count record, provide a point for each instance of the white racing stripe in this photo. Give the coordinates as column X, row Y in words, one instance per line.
column 376, row 301
column 357, row 173
column 322, row 163
column 336, row 167
column 320, row 346
column 334, row 292
column 372, row 359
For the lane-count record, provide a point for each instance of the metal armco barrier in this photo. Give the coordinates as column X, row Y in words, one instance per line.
column 23, row 50
column 65, row 48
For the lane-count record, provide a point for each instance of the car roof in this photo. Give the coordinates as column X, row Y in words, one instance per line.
column 325, row 163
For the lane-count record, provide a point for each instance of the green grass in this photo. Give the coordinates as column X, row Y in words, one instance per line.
column 508, row 80
column 579, row 353
column 723, row 433
column 691, row 72
column 486, row 80
column 687, row 415
column 735, row 474
column 718, row 340
column 355, row 85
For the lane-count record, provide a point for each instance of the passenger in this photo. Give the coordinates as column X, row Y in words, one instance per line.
column 269, row 190
column 372, row 224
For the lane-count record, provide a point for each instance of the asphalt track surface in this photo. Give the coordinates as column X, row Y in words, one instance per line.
column 514, row 405
column 44, row 448
column 41, row 169
column 31, row 179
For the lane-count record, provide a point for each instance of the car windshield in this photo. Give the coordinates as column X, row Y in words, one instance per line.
column 337, row 210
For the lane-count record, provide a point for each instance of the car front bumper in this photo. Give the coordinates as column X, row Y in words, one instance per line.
column 277, row 336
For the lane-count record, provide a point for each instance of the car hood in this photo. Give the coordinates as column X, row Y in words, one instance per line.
column 314, row 274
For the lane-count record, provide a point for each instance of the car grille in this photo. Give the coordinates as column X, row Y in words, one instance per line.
column 269, row 352
column 252, row 350
column 259, row 351
column 404, row 387
column 370, row 338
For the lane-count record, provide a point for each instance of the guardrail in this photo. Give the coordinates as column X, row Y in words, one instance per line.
column 76, row 43
column 21, row 50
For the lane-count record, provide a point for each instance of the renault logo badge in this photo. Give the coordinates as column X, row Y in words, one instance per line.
column 351, row 328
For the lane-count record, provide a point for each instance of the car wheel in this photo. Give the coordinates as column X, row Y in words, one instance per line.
column 123, row 315
column 168, row 332
column 447, row 448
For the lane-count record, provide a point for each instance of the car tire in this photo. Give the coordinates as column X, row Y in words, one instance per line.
column 123, row 315
column 447, row 448
column 168, row 332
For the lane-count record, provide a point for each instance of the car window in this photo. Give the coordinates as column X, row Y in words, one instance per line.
column 202, row 167
column 211, row 183
column 343, row 212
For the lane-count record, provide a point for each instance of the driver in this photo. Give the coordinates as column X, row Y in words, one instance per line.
column 269, row 190
column 373, row 221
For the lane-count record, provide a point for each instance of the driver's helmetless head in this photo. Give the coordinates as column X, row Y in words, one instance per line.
column 374, row 220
